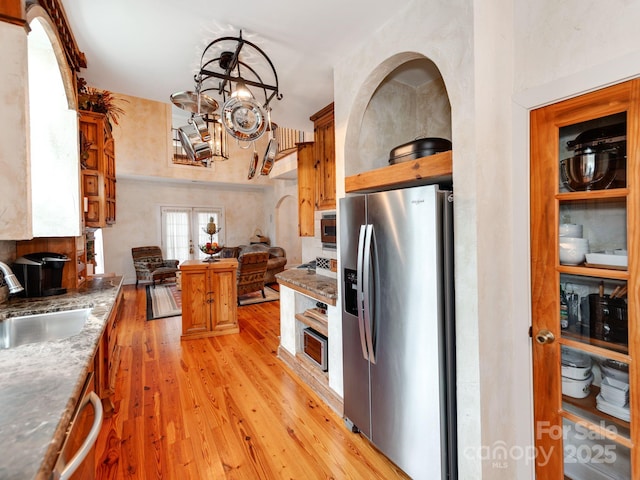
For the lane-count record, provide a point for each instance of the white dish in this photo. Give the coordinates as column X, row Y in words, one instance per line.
column 612, row 260
column 570, row 230
column 577, row 388
column 572, row 250
column 616, row 370
column 575, row 365
column 613, row 395
column 619, row 412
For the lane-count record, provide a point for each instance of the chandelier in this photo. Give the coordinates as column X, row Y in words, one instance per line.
column 233, row 68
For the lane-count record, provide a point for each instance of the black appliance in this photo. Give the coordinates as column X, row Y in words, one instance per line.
column 418, row 148
column 328, row 231
column 40, row 273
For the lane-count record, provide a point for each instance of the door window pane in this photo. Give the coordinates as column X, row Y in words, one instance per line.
column 184, row 230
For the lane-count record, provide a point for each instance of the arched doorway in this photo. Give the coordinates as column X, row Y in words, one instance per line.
column 287, row 237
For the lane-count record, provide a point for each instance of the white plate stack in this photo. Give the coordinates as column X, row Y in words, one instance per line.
column 614, row 398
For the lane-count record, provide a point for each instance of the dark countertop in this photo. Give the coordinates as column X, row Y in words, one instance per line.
column 40, row 383
column 310, row 283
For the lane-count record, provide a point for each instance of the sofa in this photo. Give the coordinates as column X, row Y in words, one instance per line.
column 275, row 264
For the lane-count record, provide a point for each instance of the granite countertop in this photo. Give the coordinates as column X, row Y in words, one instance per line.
column 40, row 383
column 320, row 286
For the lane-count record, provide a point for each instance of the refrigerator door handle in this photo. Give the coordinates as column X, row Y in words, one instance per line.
column 360, row 293
column 366, row 289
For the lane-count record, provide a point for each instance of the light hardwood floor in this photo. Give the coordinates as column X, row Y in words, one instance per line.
column 221, row 408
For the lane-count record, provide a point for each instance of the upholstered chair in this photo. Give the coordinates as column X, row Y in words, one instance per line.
column 150, row 266
column 250, row 275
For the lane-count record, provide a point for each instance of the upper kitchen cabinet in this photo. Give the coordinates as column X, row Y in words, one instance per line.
column 404, row 99
column 324, row 158
column 98, row 170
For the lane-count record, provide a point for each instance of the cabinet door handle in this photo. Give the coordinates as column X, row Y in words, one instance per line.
column 90, row 440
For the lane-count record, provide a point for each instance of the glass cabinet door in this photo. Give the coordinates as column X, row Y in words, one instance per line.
column 584, row 209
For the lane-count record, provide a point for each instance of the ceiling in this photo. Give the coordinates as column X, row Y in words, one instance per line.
column 152, row 48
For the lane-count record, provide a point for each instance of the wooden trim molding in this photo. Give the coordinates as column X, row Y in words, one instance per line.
column 431, row 169
column 55, row 10
column 12, row 11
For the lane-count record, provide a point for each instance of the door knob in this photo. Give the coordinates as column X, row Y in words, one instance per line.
column 545, row 336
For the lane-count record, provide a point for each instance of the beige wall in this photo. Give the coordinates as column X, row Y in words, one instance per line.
column 144, row 148
column 15, row 181
column 138, row 220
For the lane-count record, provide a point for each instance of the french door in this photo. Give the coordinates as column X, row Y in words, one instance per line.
column 183, row 231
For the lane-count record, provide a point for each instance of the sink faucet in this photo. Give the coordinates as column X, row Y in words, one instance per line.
column 10, row 279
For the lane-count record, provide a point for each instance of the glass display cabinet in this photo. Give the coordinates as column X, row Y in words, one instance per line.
column 584, row 238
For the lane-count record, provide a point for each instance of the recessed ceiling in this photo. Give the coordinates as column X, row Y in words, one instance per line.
column 152, row 48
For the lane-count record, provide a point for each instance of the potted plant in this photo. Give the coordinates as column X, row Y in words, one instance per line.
column 99, row 101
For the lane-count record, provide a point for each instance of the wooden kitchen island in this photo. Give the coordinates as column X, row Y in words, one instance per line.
column 209, row 300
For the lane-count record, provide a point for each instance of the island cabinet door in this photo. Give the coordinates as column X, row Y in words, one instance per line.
column 197, row 293
column 225, row 301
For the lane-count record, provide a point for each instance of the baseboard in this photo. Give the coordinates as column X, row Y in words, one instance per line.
column 317, row 381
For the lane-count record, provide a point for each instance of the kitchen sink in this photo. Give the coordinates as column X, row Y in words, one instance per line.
column 42, row 327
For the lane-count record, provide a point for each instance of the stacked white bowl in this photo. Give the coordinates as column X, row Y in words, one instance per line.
column 570, row 230
column 573, row 248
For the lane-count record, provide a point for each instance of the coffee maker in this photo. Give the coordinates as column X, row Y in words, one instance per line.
column 40, row 273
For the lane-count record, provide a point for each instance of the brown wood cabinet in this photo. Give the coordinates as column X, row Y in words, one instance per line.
column 97, row 157
column 306, row 189
column 108, row 357
column 325, row 158
column 74, row 272
column 209, row 300
column 586, row 337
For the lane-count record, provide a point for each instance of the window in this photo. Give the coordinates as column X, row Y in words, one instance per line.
column 183, row 231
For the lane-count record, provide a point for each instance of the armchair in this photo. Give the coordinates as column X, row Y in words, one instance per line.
column 150, row 265
column 250, row 275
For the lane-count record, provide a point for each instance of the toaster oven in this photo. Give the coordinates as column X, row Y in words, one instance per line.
column 315, row 347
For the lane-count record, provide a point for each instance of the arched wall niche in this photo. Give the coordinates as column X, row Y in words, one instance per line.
column 404, row 98
column 54, row 163
column 37, row 13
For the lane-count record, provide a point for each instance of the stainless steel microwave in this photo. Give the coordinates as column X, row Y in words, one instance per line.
column 328, row 231
column 315, row 347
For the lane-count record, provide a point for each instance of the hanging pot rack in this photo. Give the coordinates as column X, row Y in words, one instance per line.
column 236, row 64
column 228, row 64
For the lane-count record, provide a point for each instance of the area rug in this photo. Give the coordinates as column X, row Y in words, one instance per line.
column 256, row 297
column 163, row 301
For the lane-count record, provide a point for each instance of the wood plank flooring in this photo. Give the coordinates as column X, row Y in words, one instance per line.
column 221, row 408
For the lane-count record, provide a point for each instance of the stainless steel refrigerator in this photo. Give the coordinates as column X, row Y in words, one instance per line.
column 396, row 250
